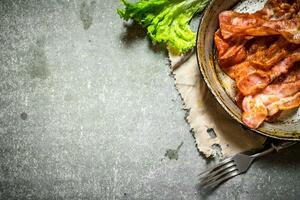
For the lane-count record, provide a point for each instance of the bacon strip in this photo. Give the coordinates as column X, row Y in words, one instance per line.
column 233, row 24
column 266, row 58
column 280, row 9
column 229, row 54
column 276, row 97
column 251, row 80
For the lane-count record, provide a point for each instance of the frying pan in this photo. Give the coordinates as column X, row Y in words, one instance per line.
column 287, row 127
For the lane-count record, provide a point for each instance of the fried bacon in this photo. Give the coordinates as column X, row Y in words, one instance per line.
column 278, row 17
column 233, row 24
column 280, row 9
column 251, row 80
column 276, row 97
column 229, row 53
column 261, row 52
column 266, row 57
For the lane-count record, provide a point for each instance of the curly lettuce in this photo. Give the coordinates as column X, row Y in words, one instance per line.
column 167, row 21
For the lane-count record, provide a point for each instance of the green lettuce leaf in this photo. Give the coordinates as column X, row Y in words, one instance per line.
column 167, row 21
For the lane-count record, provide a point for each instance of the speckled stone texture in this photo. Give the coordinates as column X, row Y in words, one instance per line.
column 88, row 111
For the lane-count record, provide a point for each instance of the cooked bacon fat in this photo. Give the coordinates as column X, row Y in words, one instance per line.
column 261, row 52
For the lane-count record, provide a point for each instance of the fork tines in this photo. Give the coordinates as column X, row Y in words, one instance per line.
column 218, row 174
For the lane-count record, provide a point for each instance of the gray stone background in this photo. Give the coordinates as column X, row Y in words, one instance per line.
column 88, row 110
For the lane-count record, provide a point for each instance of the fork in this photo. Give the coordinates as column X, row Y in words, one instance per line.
column 234, row 166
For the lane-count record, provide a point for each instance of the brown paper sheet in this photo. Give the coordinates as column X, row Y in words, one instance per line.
column 216, row 134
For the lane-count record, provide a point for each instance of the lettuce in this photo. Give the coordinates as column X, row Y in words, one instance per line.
column 167, row 21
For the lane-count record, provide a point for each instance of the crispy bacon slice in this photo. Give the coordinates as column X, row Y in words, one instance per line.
column 290, row 29
column 229, row 53
column 265, row 58
column 251, row 80
column 233, row 24
column 280, row 9
column 283, row 66
column 279, row 96
column 255, row 112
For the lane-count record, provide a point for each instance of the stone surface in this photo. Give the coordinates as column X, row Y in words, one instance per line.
column 88, row 111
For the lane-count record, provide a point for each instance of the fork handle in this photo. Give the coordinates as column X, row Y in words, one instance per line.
column 280, row 146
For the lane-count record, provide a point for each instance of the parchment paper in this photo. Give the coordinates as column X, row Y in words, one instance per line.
column 216, row 134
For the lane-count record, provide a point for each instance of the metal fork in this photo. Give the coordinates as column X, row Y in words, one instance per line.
column 234, row 166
